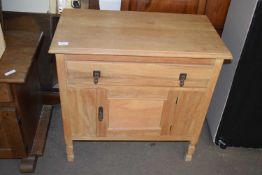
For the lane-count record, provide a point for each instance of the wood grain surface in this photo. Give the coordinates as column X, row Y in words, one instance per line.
column 18, row 55
column 140, row 56
column 5, row 93
column 139, row 74
column 11, row 140
column 137, row 34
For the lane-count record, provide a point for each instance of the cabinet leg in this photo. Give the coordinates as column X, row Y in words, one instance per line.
column 70, row 152
column 190, row 151
column 28, row 164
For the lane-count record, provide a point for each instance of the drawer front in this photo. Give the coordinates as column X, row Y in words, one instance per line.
column 139, row 74
column 5, row 93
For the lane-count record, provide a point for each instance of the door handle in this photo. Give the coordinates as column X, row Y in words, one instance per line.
column 100, row 113
column 96, row 75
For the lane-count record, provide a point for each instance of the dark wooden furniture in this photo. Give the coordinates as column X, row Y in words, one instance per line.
column 173, row 6
column 34, row 22
column 23, row 117
column 216, row 10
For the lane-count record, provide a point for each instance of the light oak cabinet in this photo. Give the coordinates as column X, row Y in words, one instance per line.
column 135, row 76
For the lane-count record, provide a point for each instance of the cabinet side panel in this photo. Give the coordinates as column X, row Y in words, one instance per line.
column 65, row 105
column 207, row 98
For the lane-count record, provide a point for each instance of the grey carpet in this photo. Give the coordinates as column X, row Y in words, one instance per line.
column 139, row 158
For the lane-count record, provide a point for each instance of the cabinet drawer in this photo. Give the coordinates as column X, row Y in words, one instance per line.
column 140, row 74
column 5, row 93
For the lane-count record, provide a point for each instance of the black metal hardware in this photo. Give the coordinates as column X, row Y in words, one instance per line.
column 182, row 78
column 96, row 76
column 100, row 113
column 222, row 144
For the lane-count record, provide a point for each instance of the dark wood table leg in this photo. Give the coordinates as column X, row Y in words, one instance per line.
column 28, row 164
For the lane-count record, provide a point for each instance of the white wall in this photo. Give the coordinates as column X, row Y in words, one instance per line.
column 236, row 28
column 38, row 6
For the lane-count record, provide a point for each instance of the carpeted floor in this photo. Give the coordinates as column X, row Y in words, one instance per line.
column 139, row 158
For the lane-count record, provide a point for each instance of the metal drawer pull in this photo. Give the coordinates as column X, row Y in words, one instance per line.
column 182, row 78
column 100, row 113
column 96, row 76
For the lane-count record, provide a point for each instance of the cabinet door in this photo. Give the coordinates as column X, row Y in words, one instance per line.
column 82, row 111
column 187, row 113
column 11, row 142
column 134, row 111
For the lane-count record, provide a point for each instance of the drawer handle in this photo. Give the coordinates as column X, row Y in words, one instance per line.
column 100, row 113
column 96, row 76
column 182, row 78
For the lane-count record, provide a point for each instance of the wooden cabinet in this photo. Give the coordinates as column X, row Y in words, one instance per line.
column 135, row 76
column 20, row 102
column 23, row 117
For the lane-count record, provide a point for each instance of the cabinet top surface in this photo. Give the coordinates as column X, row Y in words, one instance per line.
column 137, row 34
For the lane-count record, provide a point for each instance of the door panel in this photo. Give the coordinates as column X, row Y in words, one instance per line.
column 187, row 113
column 83, row 111
column 133, row 114
column 11, row 142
